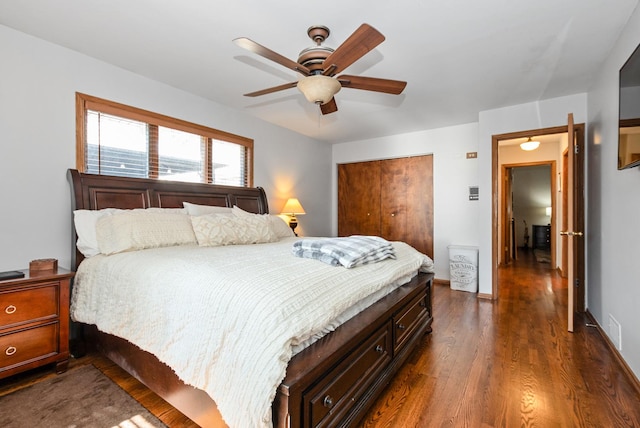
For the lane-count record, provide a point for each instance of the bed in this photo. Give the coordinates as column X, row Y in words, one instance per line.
column 331, row 378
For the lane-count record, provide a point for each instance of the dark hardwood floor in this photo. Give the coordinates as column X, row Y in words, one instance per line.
column 508, row 363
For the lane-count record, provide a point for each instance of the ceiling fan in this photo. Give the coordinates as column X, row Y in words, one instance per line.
column 319, row 65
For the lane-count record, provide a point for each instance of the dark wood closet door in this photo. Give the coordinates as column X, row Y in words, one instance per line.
column 403, row 191
column 407, row 201
column 359, row 198
column 393, row 199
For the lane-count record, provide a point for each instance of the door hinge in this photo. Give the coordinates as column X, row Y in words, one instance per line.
column 576, row 149
column 577, row 282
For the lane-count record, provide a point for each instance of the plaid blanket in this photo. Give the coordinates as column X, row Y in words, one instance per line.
column 349, row 251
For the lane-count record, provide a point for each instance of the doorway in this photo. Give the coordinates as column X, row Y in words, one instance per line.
column 553, row 143
column 529, row 200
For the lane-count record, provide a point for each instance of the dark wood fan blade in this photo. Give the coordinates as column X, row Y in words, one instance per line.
column 257, row 48
column 364, row 39
column 372, row 84
column 329, row 107
column 273, row 89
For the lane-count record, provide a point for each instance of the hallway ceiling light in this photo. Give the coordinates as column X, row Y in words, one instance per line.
column 529, row 145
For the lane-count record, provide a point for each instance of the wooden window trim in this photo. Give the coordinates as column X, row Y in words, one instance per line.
column 86, row 102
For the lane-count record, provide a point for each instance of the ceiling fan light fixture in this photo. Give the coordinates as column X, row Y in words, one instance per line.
column 529, row 145
column 319, row 89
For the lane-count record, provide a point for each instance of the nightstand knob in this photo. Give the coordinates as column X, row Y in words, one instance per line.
column 401, row 326
column 379, row 349
column 10, row 309
column 11, row 350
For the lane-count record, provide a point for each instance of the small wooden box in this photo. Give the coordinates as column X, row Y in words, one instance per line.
column 41, row 265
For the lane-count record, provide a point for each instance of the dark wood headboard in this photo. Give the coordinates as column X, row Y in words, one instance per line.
column 95, row 192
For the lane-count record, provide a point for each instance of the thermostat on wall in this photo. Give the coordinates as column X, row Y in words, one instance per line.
column 473, row 193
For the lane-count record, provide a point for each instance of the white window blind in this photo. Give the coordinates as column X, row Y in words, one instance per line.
column 181, row 156
column 116, row 146
column 119, row 140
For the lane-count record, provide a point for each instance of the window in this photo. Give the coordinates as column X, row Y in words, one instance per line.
column 115, row 139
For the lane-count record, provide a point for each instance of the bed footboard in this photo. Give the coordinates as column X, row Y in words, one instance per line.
column 336, row 380
column 333, row 382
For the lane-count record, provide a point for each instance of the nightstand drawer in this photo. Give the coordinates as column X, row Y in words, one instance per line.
column 24, row 346
column 27, row 304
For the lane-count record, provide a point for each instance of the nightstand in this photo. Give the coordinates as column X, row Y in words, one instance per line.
column 541, row 237
column 34, row 321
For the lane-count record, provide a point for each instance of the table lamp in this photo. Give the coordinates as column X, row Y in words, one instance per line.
column 291, row 209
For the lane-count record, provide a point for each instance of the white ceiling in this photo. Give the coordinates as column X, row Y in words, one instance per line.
column 459, row 57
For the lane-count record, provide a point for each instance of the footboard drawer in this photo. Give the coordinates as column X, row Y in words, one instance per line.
column 408, row 319
column 333, row 397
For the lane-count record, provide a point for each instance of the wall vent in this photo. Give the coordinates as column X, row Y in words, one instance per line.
column 615, row 332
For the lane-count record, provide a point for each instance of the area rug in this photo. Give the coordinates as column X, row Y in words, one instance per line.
column 542, row 256
column 81, row 397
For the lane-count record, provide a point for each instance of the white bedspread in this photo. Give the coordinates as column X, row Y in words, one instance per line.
column 227, row 319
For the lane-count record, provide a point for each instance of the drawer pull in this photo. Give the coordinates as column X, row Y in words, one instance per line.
column 423, row 304
column 10, row 350
column 379, row 349
column 10, row 309
column 327, row 402
column 401, row 326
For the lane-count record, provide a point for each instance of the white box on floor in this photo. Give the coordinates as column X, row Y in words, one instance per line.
column 463, row 268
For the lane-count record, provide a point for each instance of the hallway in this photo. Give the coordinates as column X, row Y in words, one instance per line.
column 510, row 363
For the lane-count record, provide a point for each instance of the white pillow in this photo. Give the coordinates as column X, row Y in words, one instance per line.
column 140, row 229
column 85, row 223
column 239, row 212
column 194, row 209
column 163, row 210
column 280, row 227
column 219, row 229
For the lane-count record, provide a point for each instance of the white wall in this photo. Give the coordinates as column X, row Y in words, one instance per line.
column 455, row 217
column 37, row 144
column 613, row 223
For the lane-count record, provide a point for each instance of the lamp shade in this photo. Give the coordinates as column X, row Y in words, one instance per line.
column 319, row 89
column 293, row 207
